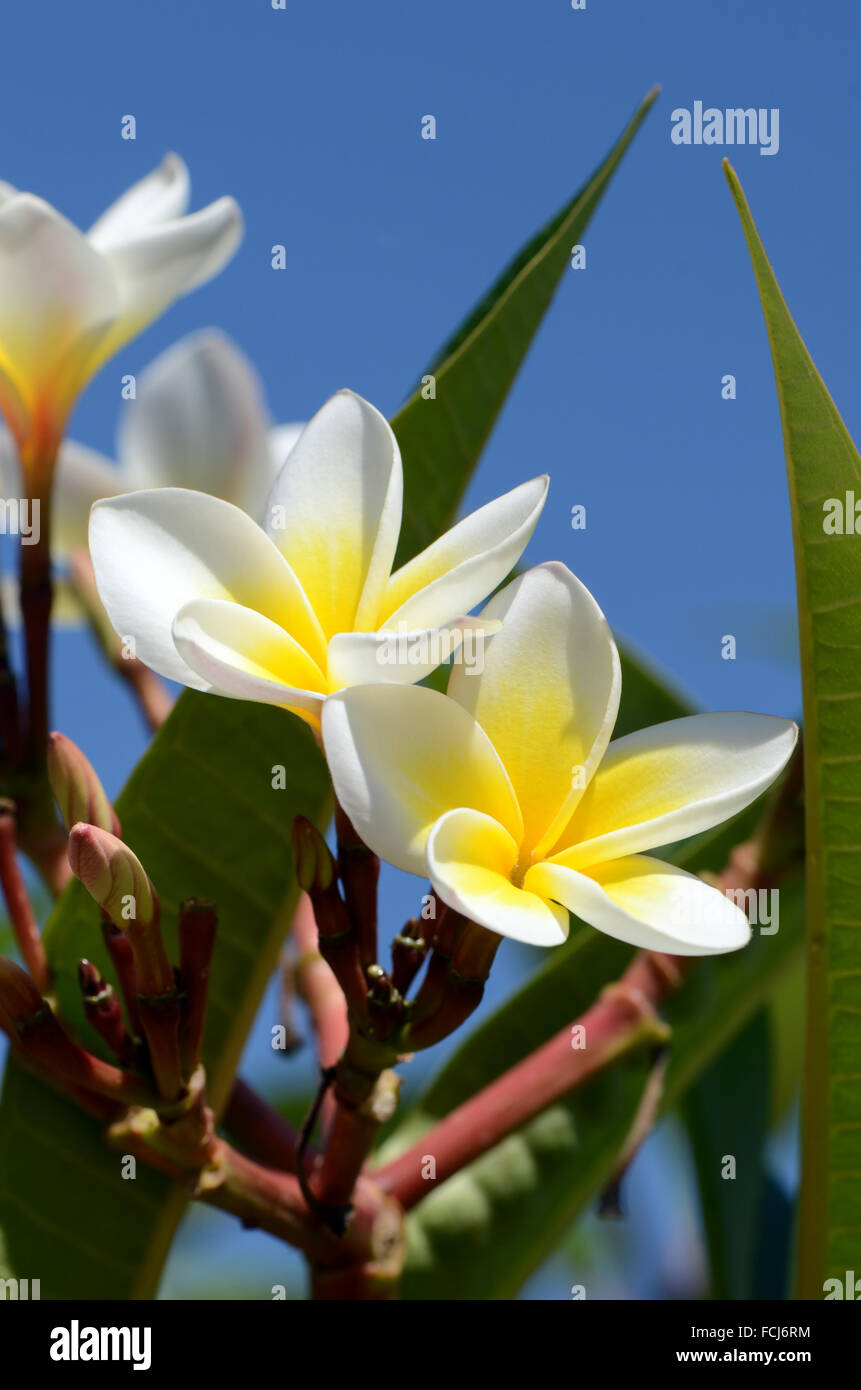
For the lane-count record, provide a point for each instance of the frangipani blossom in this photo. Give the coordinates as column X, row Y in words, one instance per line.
column 509, row 796
column 290, row 613
column 198, row 420
column 69, row 300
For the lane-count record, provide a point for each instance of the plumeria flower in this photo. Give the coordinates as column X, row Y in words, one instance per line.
column 289, row 613
column 198, row 420
column 69, row 299
column 508, row 794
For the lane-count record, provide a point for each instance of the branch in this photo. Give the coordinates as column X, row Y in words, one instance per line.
column 317, row 985
column 36, row 598
column 21, row 914
column 263, row 1133
column 624, row 1018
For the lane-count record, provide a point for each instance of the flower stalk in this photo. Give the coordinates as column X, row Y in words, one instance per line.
column 103, row 1012
column 198, row 926
column 17, row 899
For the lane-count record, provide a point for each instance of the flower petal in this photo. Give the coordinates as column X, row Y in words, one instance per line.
column 647, row 903
column 242, row 654
column 403, row 658
column 403, row 755
column 153, row 552
column 549, row 693
column 466, row 564
column 335, row 511
column 158, row 264
column 161, row 195
column 82, row 478
column 672, row 780
column 57, row 298
column 199, row 421
column 470, row 857
column 281, row 440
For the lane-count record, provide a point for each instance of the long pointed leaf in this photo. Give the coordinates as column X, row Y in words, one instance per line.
column 823, row 463
column 478, row 364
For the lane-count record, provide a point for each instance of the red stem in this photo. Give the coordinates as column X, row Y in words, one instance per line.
column 317, row 985
column 620, row 1019
column 264, row 1133
column 198, row 926
column 21, row 914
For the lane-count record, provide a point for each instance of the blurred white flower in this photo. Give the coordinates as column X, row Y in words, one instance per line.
column 199, row 420
column 69, row 299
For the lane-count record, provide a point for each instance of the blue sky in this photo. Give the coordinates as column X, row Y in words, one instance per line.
column 311, row 117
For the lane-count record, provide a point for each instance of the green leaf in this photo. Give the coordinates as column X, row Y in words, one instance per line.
column 441, row 438
column 202, row 815
column 823, row 464
column 727, row 1114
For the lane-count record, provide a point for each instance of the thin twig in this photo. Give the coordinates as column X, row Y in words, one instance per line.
column 318, row 987
column 21, row 914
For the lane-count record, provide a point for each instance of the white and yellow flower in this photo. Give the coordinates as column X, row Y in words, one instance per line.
column 198, row 420
column 506, row 794
column 69, row 300
column 309, row 605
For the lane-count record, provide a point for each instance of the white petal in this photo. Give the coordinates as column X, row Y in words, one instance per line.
column 646, row 903
column 199, row 421
column 404, row 658
column 335, row 511
column 57, row 300
column 83, row 476
column 248, row 657
column 160, row 263
column 675, row 779
column 467, row 563
column 153, row 552
column 161, row 195
column 400, row 757
column 470, row 858
column 282, row 439
column 549, row 693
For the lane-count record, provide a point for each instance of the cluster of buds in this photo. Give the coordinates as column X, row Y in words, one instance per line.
column 152, row 1022
column 459, row 953
column 383, row 1024
column 150, row 1099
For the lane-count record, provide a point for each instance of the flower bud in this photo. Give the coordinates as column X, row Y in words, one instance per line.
column 116, row 879
column 78, row 791
column 112, row 875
